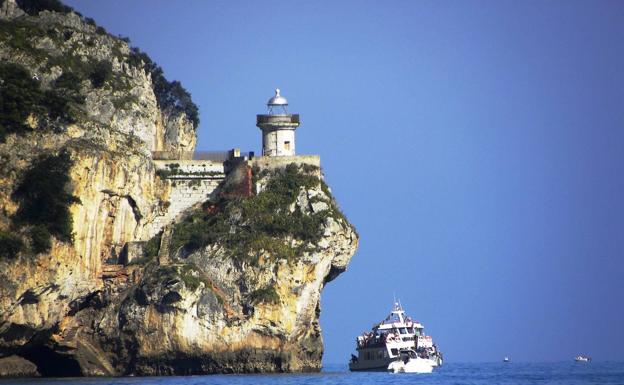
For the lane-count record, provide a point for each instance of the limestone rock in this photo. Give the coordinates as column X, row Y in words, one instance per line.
column 98, row 305
column 16, row 366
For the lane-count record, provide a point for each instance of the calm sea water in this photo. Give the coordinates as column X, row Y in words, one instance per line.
column 568, row 373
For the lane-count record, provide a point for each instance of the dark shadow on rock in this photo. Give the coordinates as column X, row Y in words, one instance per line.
column 51, row 363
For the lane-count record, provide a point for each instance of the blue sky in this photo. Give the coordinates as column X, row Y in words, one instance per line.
column 477, row 146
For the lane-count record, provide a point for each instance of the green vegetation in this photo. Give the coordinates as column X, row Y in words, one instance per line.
column 192, row 277
column 33, row 7
column 44, row 201
column 18, row 33
column 10, row 245
column 100, row 73
column 174, row 169
column 21, row 96
column 150, row 251
column 152, row 246
column 336, row 213
column 249, row 226
column 168, row 94
column 40, row 239
column 68, row 81
column 22, row 33
column 125, row 101
column 266, row 295
column 187, row 273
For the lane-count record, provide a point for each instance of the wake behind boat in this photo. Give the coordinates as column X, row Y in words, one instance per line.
column 409, row 362
column 394, row 335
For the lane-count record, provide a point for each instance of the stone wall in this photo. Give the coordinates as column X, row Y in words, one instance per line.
column 279, row 162
column 194, row 181
column 190, row 182
column 189, row 169
column 274, row 162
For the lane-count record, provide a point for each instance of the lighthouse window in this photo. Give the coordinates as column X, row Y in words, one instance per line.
column 287, row 145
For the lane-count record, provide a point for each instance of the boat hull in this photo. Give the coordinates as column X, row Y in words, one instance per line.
column 414, row 365
column 370, row 365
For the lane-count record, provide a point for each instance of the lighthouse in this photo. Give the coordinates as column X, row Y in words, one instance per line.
column 278, row 127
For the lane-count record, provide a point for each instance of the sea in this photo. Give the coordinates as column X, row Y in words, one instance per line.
column 517, row 373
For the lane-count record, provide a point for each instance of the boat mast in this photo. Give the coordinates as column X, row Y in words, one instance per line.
column 398, row 310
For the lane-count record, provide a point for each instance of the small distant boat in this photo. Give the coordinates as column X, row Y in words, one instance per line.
column 582, row 358
column 410, row 362
column 506, row 359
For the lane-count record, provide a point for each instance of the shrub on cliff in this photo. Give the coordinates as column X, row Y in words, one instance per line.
column 101, row 72
column 266, row 294
column 10, row 245
column 21, row 96
column 33, row 7
column 247, row 226
column 44, row 201
column 69, row 81
column 40, row 241
column 168, row 94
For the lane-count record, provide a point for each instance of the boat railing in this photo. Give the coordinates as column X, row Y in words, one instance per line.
column 363, row 342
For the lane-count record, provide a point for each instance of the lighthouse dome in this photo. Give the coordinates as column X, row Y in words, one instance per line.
column 277, row 100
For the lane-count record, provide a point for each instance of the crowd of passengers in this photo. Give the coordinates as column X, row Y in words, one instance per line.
column 372, row 338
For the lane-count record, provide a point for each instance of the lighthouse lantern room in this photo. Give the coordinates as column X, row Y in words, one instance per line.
column 278, row 127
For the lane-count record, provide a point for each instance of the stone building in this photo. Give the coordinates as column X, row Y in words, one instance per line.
column 278, row 127
column 196, row 177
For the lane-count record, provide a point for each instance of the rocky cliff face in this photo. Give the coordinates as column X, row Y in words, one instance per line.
column 209, row 295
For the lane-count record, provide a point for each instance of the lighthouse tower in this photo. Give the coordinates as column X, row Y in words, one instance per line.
column 278, row 127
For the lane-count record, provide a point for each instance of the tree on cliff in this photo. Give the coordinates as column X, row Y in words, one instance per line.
column 44, row 200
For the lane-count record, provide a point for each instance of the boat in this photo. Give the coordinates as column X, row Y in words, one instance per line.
column 409, row 362
column 581, row 358
column 506, row 359
column 377, row 349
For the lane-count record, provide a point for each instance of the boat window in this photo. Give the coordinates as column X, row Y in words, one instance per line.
column 403, row 330
column 394, row 351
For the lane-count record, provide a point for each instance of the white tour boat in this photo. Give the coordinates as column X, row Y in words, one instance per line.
column 378, row 348
column 582, row 359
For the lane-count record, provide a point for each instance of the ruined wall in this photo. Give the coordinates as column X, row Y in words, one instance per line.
column 188, row 182
column 274, row 162
column 193, row 181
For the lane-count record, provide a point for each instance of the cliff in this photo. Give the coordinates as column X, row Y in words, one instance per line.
column 233, row 286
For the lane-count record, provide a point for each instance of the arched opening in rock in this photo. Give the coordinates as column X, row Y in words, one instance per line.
column 51, row 363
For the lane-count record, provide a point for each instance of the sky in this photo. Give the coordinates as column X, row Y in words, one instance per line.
column 477, row 147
